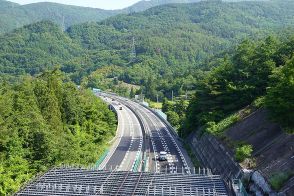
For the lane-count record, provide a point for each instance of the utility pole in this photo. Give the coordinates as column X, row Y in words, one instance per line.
column 172, row 96
column 63, row 23
column 133, row 52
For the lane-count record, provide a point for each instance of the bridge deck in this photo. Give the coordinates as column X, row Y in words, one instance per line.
column 75, row 181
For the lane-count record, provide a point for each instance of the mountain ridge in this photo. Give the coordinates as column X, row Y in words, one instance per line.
column 13, row 15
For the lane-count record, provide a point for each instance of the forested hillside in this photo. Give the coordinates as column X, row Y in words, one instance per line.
column 46, row 121
column 13, row 15
column 259, row 72
column 146, row 4
column 171, row 43
column 246, row 101
column 36, row 48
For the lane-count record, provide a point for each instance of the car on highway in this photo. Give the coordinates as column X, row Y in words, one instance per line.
column 120, row 107
column 162, row 156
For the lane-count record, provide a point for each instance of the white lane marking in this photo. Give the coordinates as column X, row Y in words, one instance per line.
column 175, row 143
column 162, row 141
column 131, row 132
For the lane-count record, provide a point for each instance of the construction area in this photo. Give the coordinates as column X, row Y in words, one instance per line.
column 78, row 181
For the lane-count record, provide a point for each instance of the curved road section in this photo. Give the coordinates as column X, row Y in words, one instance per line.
column 126, row 149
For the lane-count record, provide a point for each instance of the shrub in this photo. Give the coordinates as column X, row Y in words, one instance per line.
column 259, row 102
column 243, row 152
column 219, row 128
column 278, row 180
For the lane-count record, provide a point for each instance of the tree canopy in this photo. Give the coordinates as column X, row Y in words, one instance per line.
column 46, row 121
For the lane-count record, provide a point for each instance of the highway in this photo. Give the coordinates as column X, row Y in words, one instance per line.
column 161, row 138
column 127, row 144
column 157, row 137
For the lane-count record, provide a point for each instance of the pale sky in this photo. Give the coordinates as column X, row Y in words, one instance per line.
column 104, row 4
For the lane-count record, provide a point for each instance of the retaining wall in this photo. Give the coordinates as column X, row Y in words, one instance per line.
column 213, row 155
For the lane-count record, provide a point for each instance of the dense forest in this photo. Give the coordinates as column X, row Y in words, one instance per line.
column 46, row 121
column 163, row 49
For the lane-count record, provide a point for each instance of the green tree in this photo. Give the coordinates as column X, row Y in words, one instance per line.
column 132, row 93
column 280, row 97
column 173, row 118
column 45, row 121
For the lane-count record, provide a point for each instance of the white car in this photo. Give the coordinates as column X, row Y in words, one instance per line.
column 162, row 156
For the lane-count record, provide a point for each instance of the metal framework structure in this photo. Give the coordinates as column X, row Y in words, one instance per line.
column 78, row 181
